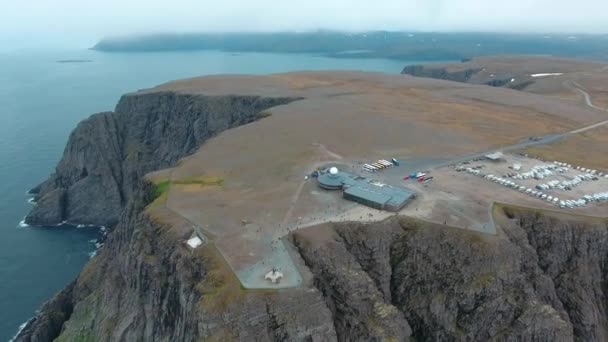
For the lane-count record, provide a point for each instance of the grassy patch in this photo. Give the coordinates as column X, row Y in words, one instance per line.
column 513, row 211
column 132, row 150
column 484, row 280
column 264, row 114
column 159, row 193
column 160, row 188
column 587, row 149
column 202, row 181
column 220, row 286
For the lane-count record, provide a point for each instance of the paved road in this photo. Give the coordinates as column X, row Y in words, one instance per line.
column 572, row 85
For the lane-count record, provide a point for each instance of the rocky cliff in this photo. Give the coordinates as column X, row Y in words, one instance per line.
column 542, row 278
column 440, row 73
column 109, row 152
column 145, row 284
column 471, row 71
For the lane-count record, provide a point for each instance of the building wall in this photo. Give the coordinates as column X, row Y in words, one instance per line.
column 394, row 207
column 330, row 187
column 364, row 201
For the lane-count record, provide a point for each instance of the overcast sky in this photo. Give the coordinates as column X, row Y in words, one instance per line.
column 85, row 21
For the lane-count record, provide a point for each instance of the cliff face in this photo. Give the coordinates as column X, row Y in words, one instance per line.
column 541, row 279
column 439, row 73
column 147, row 285
column 109, row 152
column 400, row 279
column 573, row 256
column 470, row 73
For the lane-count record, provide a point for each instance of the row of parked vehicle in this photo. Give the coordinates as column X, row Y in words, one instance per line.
column 540, row 172
column 592, row 172
column 567, row 185
column 581, row 202
column 529, row 191
column 598, row 197
column 380, row 164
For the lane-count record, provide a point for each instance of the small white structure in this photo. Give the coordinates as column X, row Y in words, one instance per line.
column 195, row 242
column 274, row 276
column 496, row 156
column 333, row 170
column 545, row 74
column 516, row 166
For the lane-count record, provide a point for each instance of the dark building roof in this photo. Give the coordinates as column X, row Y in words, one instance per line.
column 368, row 192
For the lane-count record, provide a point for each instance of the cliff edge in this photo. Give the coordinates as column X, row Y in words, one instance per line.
column 109, row 152
column 540, row 278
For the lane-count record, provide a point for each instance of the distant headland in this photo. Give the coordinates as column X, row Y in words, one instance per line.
column 426, row 46
column 75, row 61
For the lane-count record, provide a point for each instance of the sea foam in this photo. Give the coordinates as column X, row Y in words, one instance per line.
column 21, row 327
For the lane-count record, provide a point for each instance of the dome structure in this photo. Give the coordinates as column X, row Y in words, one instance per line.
column 332, row 180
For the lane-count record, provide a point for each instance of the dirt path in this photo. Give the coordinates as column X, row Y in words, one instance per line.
column 292, row 204
column 575, row 86
column 325, row 150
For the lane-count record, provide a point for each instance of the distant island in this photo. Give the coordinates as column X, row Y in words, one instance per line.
column 376, row 44
column 75, row 61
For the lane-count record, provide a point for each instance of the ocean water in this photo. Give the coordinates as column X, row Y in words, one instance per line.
column 41, row 101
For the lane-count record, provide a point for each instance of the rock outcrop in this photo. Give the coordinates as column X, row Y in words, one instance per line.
column 573, row 254
column 542, row 278
column 440, row 73
column 473, row 71
column 145, row 284
column 109, row 152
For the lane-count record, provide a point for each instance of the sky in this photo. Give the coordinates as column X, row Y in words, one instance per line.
column 83, row 22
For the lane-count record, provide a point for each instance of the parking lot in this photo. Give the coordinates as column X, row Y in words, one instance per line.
column 554, row 182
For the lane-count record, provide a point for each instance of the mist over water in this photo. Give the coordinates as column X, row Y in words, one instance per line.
column 41, row 101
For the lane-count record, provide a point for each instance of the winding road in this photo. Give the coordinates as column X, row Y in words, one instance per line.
column 572, row 85
column 575, row 86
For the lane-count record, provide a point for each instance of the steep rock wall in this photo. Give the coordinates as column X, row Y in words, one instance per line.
column 145, row 284
column 439, row 73
column 544, row 279
column 109, row 152
column 469, row 75
column 573, row 254
column 541, row 279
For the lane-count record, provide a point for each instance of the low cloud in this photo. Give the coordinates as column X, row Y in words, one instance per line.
column 79, row 21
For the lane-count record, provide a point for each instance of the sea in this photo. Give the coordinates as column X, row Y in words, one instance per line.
column 43, row 95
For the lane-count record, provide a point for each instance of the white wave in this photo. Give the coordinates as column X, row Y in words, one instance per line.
column 21, row 327
column 22, row 223
column 31, row 201
column 92, row 254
